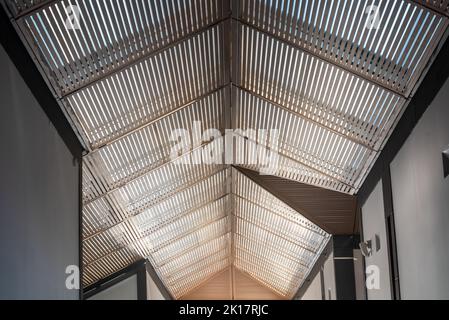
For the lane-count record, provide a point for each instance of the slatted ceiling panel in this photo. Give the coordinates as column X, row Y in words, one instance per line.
column 185, row 285
column 167, row 263
column 180, row 279
column 189, row 241
column 260, row 237
column 206, row 263
column 283, row 251
column 168, row 227
column 154, row 186
column 143, row 193
column 194, row 266
column 317, row 90
column 204, row 193
column 292, row 170
column 246, row 189
column 146, row 149
column 109, row 242
column 249, row 270
column 282, row 278
column 278, row 261
column 278, row 225
column 114, row 34
column 185, row 224
column 148, row 90
column 321, row 150
column 271, row 240
column 271, row 279
column 201, row 255
column 107, row 266
column 162, row 183
column 110, row 252
column 277, row 256
column 100, row 215
column 262, row 259
column 393, row 55
column 162, row 211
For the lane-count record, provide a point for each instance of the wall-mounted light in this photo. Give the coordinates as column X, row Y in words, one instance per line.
column 366, row 248
column 446, row 162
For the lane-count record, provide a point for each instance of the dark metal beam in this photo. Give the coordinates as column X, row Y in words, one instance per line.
column 142, row 293
column 29, row 11
column 343, row 247
column 141, row 268
column 308, row 119
column 80, row 225
column 436, row 10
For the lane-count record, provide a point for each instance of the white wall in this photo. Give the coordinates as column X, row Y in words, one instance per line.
column 39, row 197
column 373, row 220
column 329, row 278
column 153, row 292
column 421, row 205
column 124, row 290
column 314, row 290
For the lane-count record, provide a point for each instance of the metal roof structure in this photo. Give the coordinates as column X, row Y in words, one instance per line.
column 332, row 76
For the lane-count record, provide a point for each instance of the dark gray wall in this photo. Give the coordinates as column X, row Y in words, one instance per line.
column 421, row 205
column 39, row 219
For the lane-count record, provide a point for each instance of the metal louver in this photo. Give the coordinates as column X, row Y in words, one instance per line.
column 330, row 79
column 338, row 85
column 273, row 243
column 130, row 63
column 390, row 49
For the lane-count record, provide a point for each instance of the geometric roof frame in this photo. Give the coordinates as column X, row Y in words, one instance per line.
column 332, row 77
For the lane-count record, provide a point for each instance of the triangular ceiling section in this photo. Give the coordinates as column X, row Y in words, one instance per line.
column 332, row 211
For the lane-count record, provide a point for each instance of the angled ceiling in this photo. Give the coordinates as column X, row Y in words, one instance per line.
column 135, row 71
column 333, row 211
